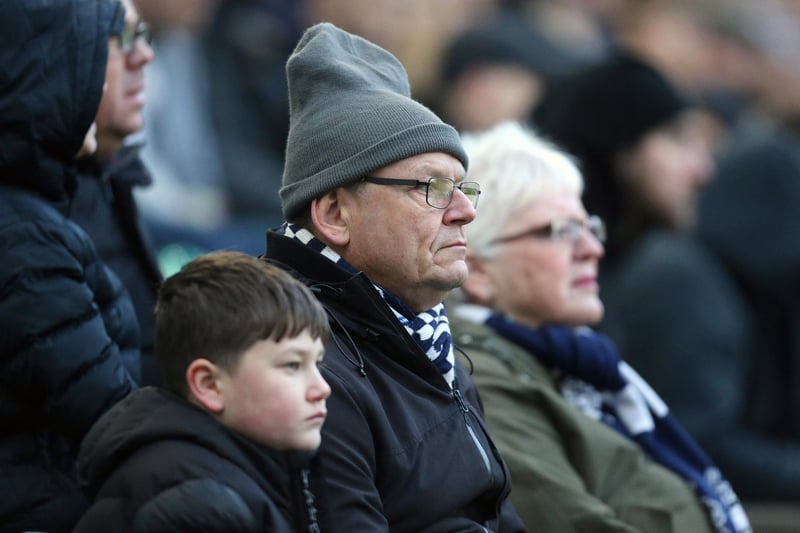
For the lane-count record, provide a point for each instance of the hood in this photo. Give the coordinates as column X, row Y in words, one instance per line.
column 152, row 415
column 52, row 68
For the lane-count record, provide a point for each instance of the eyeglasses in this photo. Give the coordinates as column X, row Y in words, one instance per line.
column 438, row 191
column 569, row 230
column 129, row 35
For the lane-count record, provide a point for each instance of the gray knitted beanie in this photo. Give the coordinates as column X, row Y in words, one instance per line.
column 351, row 112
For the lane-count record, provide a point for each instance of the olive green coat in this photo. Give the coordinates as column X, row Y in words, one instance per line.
column 569, row 472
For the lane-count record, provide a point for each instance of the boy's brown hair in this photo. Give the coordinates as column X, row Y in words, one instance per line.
column 220, row 304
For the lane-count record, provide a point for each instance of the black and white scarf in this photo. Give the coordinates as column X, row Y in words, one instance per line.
column 602, row 385
column 430, row 329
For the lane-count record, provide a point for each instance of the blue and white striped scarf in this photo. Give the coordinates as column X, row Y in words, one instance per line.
column 430, row 329
column 603, row 386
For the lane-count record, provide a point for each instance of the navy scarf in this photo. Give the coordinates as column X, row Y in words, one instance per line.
column 430, row 329
column 629, row 405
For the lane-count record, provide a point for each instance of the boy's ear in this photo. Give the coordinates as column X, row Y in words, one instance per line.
column 479, row 286
column 329, row 216
column 202, row 376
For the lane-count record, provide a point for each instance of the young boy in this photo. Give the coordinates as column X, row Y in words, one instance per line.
column 228, row 445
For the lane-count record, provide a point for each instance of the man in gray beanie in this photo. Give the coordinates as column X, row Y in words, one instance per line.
column 375, row 202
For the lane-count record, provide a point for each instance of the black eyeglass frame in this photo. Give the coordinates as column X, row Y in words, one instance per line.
column 552, row 231
column 427, row 184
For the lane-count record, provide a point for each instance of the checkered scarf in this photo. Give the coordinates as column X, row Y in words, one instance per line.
column 430, row 329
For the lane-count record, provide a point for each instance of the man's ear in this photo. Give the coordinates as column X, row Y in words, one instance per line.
column 329, row 213
column 203, row 378
column 479, row 286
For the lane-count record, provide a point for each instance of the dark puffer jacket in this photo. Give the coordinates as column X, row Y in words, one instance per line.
column 155, row 462
column 65, row 327
column 402, row 451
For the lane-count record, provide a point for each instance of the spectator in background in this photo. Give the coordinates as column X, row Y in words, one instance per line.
column 496, row 70
column 228, row 445
column 375, row 202
column 683, row 39
column 674, row 36
column 637, row 141
column 246, row 45
column 750, row 221
column 582, row 28
column 590, row 446
column 217, row 119
column 688, row 42
column 68, row 333
column 186, row 201
column 104, row 205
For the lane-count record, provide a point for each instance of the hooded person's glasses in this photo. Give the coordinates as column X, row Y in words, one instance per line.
column 131, row 33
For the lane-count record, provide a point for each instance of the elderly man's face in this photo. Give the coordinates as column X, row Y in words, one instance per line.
column 414, row 250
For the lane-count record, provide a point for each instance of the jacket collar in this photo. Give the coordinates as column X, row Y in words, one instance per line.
column 352, row 301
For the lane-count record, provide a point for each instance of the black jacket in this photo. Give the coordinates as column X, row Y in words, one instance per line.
column 105, row 207
column 155, row 462
column 750, row 220
column 65, row 325
column 402, row 451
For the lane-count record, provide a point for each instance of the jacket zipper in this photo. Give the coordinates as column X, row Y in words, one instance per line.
column 465, row 410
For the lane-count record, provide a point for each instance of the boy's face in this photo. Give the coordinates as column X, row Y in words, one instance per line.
column 276, row 396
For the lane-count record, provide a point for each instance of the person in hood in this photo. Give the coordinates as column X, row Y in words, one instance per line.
column 228, row 445
column 375, row 198
column 69, row 347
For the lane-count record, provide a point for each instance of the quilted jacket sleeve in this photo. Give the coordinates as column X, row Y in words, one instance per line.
column 60, row 362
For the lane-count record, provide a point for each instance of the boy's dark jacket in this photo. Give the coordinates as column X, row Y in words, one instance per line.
column 156, row 462
column 401, row 450
column 66, row 327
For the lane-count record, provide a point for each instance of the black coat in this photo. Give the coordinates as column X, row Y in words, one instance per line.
column 402, row 451
column 68, row 335
column 105, row 207
column 155, row 462
column 750, row 220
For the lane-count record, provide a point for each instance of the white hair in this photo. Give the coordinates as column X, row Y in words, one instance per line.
column 513, row 166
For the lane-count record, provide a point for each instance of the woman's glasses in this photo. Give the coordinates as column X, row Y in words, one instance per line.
column 568, row 230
